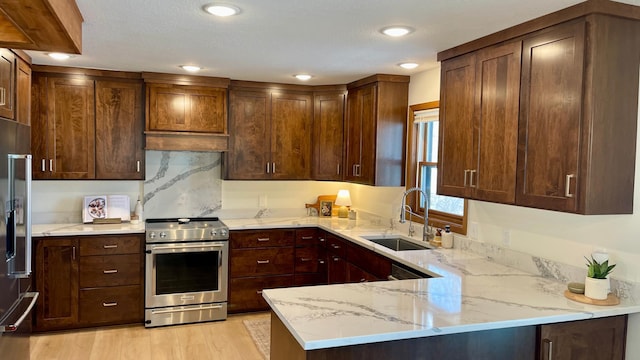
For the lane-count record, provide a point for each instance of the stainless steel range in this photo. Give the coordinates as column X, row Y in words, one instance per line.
column 187, row 262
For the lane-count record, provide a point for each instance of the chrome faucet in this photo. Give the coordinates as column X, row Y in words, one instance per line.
column 426, row 232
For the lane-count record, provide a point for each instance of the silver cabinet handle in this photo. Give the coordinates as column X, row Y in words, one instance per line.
column 358, row 172
column 321, row 240
column 50, row 165
column 43, row 166
column 471, row 172
column 305, row 259
column 263, row 262
column 465, row 177
column 111, row 304
column 567, row 185
column 114, row 271
column 268, row 168
column 320, row 261
column 392, row 278
column 335, row 246
column 338, row 169
column 335, row 258
column 115, row 246
column 3, row 96
column 307, row 237
column 549, row 344
column 353, row 169
column 73, row 253
column 138, row 166
column 273, row 168
column 263, row 239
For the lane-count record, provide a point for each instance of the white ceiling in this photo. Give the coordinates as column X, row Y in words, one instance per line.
column 337, row 41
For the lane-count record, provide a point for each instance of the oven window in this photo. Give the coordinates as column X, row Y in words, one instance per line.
column 187, row 272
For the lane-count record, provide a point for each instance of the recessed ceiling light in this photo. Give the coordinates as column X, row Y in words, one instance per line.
column 59, row 56
column 303, row 77
column 191, row 68
column 221, row 9
column 396, row 31
column 409, row 65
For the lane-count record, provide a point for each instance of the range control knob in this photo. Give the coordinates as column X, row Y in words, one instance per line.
column 223, row 232
column 214, row 232
column 163, row 235
column 152, row 235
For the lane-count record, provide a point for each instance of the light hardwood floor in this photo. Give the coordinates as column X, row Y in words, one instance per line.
column 226, row 340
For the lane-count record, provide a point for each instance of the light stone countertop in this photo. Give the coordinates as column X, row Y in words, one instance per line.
column 471, row 294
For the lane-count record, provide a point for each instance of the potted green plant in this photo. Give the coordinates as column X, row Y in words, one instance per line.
column 596, row 284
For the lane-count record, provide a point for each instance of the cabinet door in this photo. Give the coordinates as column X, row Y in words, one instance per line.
column 187, row 108
column 360, row 135
column 7, row 81
column 23, row 92
column 56, row 278
column 249, row 147
column 328, row 124
column 496, row 130
column 602, row 338
column 71, row 125
column 337, row 269
column 39, row 129
column 550, row 118
column 457, row 101
column 291, row 130
column 119, row 143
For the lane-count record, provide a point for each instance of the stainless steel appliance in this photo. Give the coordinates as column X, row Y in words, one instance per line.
column 187, row 262
column 16, row 299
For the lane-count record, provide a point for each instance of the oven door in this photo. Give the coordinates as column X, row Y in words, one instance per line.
column 186, row 273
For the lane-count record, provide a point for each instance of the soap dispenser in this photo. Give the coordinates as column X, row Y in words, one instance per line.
column 138, row 210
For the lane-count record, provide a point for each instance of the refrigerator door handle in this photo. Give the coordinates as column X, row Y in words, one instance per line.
column 7, row 328
column 27, row 215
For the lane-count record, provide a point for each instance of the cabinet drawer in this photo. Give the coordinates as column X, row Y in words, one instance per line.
column 309, row 279
column 110, row 245
column 246, row 294
column 306, row 237
column 256, row 262
column 111, row 270
column 261, row 238
column 306, row 260
column 122, row 304
column 336, row 246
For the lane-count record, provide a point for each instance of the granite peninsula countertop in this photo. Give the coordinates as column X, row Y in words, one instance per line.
column 472, row 293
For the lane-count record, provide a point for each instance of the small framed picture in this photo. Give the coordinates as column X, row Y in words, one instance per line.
column 325, row 208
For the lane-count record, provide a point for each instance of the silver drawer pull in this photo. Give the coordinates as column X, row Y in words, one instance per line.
column 321, row 240
column 305, row 259
column 261, row 262
column 114, row 271
column 307, row 237
column 44, row 166
column 321, row 261
column 111, row 304
column 336, row 259
column 50, row 165
column 263, row 239
column 549, row 348
column 335, row 246
column 138, row 166
column 110, row 246
column 259, row 292
column 567, row 186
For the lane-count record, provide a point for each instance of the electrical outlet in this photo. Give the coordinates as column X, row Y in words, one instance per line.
column 506, row 238
column 262, row 203
column 473, row 231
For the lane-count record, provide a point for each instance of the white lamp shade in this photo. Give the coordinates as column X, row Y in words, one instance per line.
column 343, row 198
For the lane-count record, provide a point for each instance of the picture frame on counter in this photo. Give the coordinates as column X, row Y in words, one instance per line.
column 326, row 208
column 106, row 209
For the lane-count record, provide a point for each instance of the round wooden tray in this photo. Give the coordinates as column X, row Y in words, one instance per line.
column 610, row 300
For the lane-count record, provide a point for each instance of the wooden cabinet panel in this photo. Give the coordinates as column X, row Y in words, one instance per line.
column 111, row 305
column 245, row 294
column 250, row 124
column 291, row 130
column 110, row 270
column 356, row 274
column 187, row 108
column 267, row 261
column 306, row 260
column 119, row 130
column 336, row 245
column 378, row 266
column 306, row 237
column 111, row 244
column 71, row 125
column 328, row 130
column 56, row 279
column 602, row 338
column 23, row 91
column 7, row 84
column 336, row 269
column 360, row 111
column 550, row 119
column 261, row 238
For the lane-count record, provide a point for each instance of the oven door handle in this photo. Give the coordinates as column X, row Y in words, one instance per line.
column 169, row 311
column 178, row 247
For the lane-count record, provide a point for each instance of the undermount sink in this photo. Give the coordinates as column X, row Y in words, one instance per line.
column 396, row 243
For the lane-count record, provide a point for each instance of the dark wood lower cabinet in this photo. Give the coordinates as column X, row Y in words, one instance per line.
column 594, row 339
column 106, row 305
column 245, row 294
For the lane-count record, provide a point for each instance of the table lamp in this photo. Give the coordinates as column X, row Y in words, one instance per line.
column 343, row 200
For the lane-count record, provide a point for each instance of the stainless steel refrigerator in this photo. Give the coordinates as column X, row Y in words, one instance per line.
column 16, row 298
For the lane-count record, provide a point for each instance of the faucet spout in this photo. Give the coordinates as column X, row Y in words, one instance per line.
column 426, row 232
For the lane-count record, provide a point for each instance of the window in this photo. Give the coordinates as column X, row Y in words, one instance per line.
column 422, row 170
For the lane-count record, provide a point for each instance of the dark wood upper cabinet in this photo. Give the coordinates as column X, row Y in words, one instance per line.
column 7, row 83
column 576, row 112
column 186, row 113
column 375, row 130
column 479, row 124
column 272, row 133
column 328, row 131
column 119, row 133
column 85, row 126
column 23, row 91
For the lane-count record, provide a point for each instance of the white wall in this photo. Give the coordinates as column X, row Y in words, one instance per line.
column 554, row 235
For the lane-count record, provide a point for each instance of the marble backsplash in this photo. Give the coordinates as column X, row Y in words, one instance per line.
column 182, row 184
